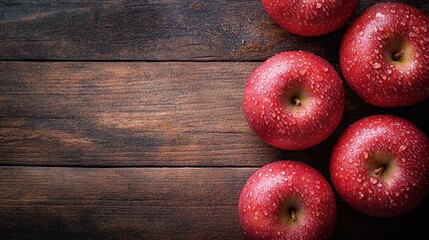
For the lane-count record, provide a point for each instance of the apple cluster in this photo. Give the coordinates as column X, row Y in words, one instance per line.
column 295, row 100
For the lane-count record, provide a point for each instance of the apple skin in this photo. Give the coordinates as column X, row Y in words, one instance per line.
column 268, row 100
column 396, row 145
column 275, row 188
column 310, row 18
column 367, row 55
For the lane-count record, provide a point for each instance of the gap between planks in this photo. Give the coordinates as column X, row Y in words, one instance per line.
column 132, row 61
column 129, row 166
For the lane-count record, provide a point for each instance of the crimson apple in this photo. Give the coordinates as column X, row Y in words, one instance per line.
column 294, row 100
column 384, row 55
column 380, row 166
column 310, row 18
column 287, row 200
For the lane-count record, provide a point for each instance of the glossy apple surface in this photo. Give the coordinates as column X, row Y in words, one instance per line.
column 310, row 18
column 380, row 166
column 384, row 55
column 294, row 100
column 287, row 200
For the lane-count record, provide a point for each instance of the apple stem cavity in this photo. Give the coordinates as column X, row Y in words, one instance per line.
column 398, row 55
column 293, row 216
column 296, row 101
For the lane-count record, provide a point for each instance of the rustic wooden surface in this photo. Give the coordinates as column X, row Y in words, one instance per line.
column 123, row 120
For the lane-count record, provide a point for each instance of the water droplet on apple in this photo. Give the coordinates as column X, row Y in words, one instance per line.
column 361, row 33
column 392, row 10
column 365, row 154
column 424, row 29
column 412, row 34
column 376, row 65
column 402, row 23
column 361, row 195
column 373, row 180
column 379, row 15
column 283, row 173
column 402, row 148
column 350, row 160
column 359, row 180
column 379, row 184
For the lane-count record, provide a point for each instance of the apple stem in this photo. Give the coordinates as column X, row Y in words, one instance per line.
column 398, row 55
column 293, row 214
column 379, row 170
column 296, row 101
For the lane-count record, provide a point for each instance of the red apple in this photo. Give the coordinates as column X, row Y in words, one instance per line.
column 294, row 100
column 384, row 55
column 287, row 200
column 380, row 166
column 310, row 18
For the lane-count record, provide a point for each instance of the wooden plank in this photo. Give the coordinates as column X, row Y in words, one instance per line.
column 148, row 203
column 153, row 30
column 144, row 114
column 125, row 114
column 128, row 203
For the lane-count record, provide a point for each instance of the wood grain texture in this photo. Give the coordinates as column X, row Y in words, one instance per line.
column 144, row 114
column 152, row 203
column 198, row 30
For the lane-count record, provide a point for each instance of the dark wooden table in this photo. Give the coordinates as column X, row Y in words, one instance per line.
column 123, row 119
